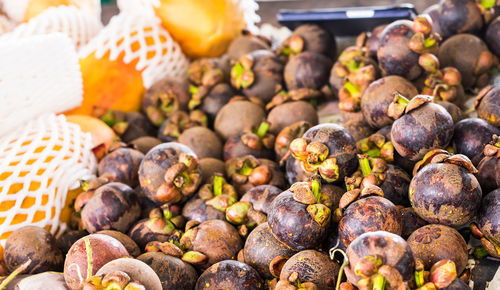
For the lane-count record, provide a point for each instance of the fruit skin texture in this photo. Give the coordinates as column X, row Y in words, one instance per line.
column 471, row 135
column 445, row 194
column 307, row 70
column 425, row 128
column 379, row 95
column 121, row 165
column 291, row 223
column 261, row 247
column 230, row 274
column 493, row 36
column 489, row 219
column 459, row 16
column 432, row 243
column 394, row 250
column 394, row 55
column 312, row 266
column 114, row 206
column 99, row 249
column 290, row 113
column 489, row 173
column 109, row 85
column 173, row 272
column 35, row 243
column 369, row 214
column 488, row 107
column 237, row 116
column 217, row 23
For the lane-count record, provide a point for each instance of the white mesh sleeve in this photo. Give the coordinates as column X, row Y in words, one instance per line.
column 77, row 24
column 16, row 9
column 249, row 8
column 5, row 25
column 40, row 74
column 139, row 36
column 39, row 163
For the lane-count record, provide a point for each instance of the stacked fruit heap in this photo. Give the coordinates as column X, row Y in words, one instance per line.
column 227, row 179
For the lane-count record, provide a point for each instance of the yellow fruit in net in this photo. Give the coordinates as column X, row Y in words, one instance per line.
column 202, row 28
column 36, row 7
column 40, row 168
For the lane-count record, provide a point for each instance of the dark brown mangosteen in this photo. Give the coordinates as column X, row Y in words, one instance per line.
column 420, row 126
column 357, row 127
column 411, row 221
column 351, row 74
column 210, row 167
column 121, row 165
column 33, row 244
column 214, row 197
column 215, row 100
column 178, row 122
column 126, row 241
column 433, row 12
column 255, row 141
column 470, row 55
column 128, row 125
column 369, row 214
column 172, row 271
column 373, row 40
column 237, row 116
column 307, row 70
column 488, row 225
column 379, row 95
column 433, row 243
column 492, row 37
column 247, row 172
column 204, row 74
column 459, row 16
column 325, row 150
column 165, row 97
column 309, row 37
column 309, row 268
column 169, row 173
column 258, row 75
column 245, row 44
column 230, row 275
column 68, row 238
column 261, row 197
column 444, row 189
column 488, row 105
column 162, row 225
column 144, row 144
column 471, row 135
column 114, row 206
column 290, row 113
column 287, row 135
column 216, row 239
column 88, row 255
column 455, row 112
column 299, row 216
column 203, row 141
column 264, row 252
column 489, row 168
column 371, row 251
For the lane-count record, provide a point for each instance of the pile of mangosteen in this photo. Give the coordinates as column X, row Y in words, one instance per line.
column 230, row 179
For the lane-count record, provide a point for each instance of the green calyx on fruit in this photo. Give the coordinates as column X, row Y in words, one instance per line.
column 314, row 158
column 242, row 75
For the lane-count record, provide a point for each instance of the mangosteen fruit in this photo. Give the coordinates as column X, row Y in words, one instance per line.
column 489, row 223
column 121, row 165
column 210, row 167
column 492, row 37
column 128, row 125
column 489, row 168
column 471, row 135
column 286, row 136
column 253, row 141
column 245, row 44
column 237, row 116
column 172, row 271
column 444, row 189
column 411, row 221
column 126, row 241
column 307, row 70
column 291, row 113
column 35, row 246
column 379, row 95
column 144, row 144
column 169, row 173
column 488, row 105
column 459, row 16
column 325, row 150
column 203, row 141
column 230, row 274
column 215, row 100
column 309, row 37
column 179, row 121
column 433, row 243
column 420, row 126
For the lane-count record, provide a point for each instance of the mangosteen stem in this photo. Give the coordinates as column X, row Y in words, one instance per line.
column 14, row 273
column 487, row 4
column 373, row 152
column 263, row 129
column 401, row 99
column 378, row 282
column 364, row 164
column 344, row 264
column 419, row 278
column 352, row 89
column 353, row 65
column 218, row 183
column 245, row 169
column 480, row 252
column 316, row 189
column 429, row 42
column 90, row 263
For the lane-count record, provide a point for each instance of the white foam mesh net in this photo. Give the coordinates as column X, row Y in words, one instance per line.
column 40, row 74
column 78, row 25
column 249, row 8
column 16, row 9
column 138, row 36
column 5, row 25
column 39, row 163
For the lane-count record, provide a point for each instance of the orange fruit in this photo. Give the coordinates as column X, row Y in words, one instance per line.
column 202, row 28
